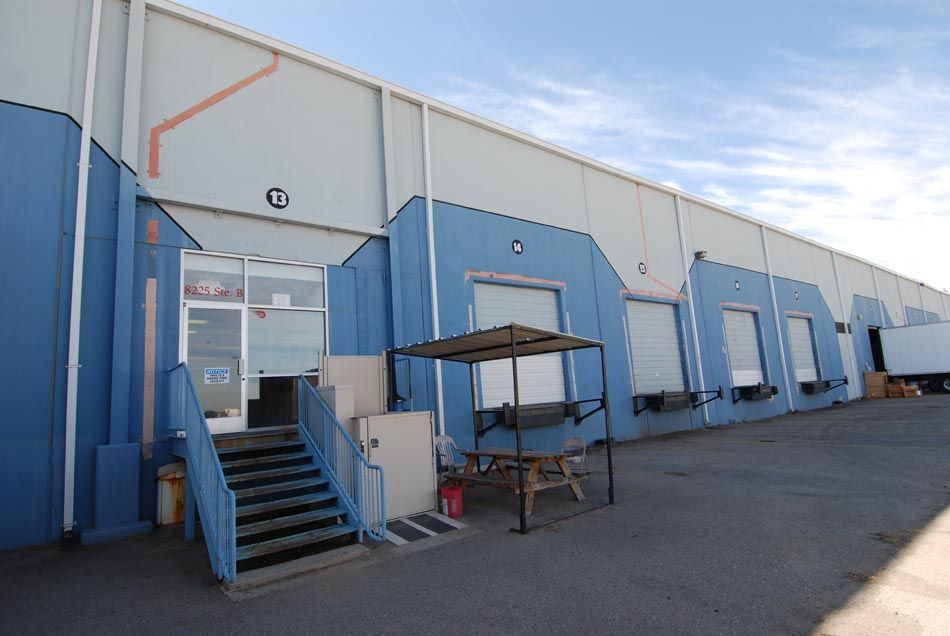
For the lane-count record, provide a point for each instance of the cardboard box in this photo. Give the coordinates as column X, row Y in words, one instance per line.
column 876, row 383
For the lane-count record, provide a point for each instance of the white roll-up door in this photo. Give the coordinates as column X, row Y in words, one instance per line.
column 540, row 378
column 654, row 347
column 742, row 343
column 803, row 349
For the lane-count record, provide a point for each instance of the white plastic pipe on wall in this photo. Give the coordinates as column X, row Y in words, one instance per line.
column 430, row 242
column 79, row 244
column 923, row 307
column 778, row 324
column 692, row 304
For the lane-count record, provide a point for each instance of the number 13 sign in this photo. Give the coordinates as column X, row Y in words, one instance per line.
column 277, row 198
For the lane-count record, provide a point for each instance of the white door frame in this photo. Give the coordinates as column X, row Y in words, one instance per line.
column 221, row 424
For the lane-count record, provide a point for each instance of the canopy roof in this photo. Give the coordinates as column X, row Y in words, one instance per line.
column 495, row 344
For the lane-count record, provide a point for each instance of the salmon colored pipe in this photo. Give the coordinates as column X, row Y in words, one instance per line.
column 188, row 113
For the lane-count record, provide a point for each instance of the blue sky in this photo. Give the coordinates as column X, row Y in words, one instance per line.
column 829, row 118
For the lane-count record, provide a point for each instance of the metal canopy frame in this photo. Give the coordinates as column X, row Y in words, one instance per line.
column 515, row 341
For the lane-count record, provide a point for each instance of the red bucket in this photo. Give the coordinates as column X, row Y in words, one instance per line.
column 452, row 501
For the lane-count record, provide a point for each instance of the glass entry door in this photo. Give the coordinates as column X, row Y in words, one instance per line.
column 214, row 350
column 252, row 326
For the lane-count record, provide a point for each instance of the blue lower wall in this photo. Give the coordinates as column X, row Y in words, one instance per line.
column 38, row 155
column 359, row 306
column 591, row 294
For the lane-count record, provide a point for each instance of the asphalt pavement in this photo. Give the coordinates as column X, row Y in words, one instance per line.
column 767, row 527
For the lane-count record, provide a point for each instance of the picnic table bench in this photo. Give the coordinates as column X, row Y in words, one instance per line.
column 498, row 472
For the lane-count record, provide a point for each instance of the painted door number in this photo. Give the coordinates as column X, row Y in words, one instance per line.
column 277, row 198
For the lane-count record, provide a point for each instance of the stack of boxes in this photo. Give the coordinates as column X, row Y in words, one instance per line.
column 876, row 383
column 878, row 387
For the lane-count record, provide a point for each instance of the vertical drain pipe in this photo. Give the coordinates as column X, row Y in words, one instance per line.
column 430, row 241
column 79, row 244
column 775, row 315
column 691, row 303
column 923, row 307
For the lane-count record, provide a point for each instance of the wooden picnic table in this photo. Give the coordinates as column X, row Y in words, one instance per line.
column 498, row 472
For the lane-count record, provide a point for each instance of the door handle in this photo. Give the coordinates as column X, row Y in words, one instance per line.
column 240, row 366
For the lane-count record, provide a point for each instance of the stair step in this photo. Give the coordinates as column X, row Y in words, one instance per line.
column 262, row 463
column 276, row 489
column 279, row 523
column 290, row 502
column 261, row 450
column 238, row 480
column 263, row 548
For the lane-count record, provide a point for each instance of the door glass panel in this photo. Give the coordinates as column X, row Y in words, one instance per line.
column 213, row 278
column 214, row 349
column 284, row 285
column 284, row 341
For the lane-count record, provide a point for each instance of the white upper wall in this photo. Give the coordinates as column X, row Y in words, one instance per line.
column 479, row 168
column 887, row 283
column 791, row 257
column 724, row 238
column 933, row 301
column 911, row 292
column 44, row 45
column 407, row 151
column 314, row 128
column 309, row 132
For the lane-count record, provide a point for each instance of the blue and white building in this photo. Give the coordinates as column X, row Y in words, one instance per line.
column 178, row 188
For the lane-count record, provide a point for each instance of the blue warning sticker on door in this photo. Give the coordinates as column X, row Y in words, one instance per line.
column 217, row 375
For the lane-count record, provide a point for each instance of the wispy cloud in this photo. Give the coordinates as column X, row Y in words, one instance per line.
column 856, row 157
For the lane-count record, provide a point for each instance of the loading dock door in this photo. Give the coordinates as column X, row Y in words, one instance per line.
column 540, row 378
column 742, row 344
column 655, row 347
column 803, row 349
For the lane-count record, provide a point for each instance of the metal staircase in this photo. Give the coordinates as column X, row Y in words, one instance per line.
column 284, row 506
column 268, row 497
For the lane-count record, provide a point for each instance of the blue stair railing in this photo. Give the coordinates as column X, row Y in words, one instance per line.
column 359, row 484
column 216, row 503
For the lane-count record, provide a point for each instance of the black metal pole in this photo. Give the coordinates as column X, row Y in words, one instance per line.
column 471, row 380
column 514, row 375
column 391, row 380
column 610, row 458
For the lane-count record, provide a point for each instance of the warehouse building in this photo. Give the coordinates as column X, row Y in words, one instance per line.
column 235, row 190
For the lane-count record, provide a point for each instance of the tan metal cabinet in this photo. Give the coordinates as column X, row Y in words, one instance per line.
column 402, row 444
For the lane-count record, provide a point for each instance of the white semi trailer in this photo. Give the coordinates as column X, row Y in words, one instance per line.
column 919, row 353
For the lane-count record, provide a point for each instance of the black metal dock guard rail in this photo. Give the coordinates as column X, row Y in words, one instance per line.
column 514, row 341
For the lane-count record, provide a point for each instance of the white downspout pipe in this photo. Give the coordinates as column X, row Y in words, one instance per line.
column 923, row 307
column 775, row 315
column 430, row 242
column 692, row 304
column 79, row 244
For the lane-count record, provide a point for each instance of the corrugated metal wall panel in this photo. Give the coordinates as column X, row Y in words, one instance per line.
column 540, row 378
column 742, row 343
column 655, row 347
column 803, row 350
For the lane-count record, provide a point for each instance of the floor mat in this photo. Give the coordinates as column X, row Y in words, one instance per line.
column 428, row 524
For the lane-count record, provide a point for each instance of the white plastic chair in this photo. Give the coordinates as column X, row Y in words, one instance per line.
column 576, row 450
column 450, row 459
